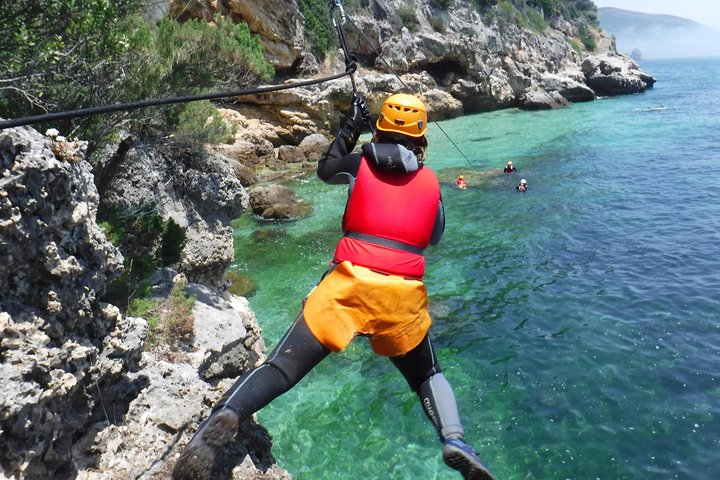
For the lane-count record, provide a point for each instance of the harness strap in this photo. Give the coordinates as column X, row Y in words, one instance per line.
column 385, row 242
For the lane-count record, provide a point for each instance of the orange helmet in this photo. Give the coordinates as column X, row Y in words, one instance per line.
column 404, row 114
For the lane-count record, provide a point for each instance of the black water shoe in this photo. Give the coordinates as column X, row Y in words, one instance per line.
column 460, row 456
column 199, row 460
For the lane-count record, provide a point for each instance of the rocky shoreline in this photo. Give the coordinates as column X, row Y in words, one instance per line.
column 468, row 67
column 286, row 131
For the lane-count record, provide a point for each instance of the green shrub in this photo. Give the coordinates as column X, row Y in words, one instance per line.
column 549, row 8
column 145, row 239
column 438, row 24
column 536, row 21
column 508, row 15
column 193, row 57
column 484, row 5
column 408, row 15
column 580, row 10
column 170, row 320
column 533, row 13
column 587, row 37
column 444, row 4
column 201, row 122
column 318, row 26
column 178, row 322
column 576, row 45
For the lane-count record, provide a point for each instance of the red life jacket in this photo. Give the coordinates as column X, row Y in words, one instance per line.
column 389, row 219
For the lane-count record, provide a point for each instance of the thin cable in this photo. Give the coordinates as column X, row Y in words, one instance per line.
column 84, row 112
column 378, row 53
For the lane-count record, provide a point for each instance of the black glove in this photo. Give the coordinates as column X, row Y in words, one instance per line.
column 350, row 63
column 360, row 114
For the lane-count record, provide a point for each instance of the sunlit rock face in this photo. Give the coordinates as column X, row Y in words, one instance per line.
column 480, row 64
column 81, row 397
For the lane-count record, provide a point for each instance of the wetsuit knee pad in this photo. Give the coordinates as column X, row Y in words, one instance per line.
column 438, row 401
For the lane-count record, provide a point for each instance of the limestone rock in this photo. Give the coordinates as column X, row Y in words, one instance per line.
column 198, row 190
column 55, row 257
column 539, row 99
column 614, row 75
column 277, row 23
column 227, row 339
column 313, row 146
column 56, row 263
column 569, row 88
column 277, row 202
column 79, row 393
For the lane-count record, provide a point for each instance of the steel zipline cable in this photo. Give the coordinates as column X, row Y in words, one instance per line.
column 336, row 7
column 84, row 112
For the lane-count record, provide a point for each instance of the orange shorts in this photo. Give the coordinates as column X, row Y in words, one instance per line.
column 353, row 300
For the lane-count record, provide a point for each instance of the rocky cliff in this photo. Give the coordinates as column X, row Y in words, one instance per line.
column 456, row 59
column 81, row 396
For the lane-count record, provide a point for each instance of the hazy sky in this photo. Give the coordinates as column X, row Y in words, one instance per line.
column 706, row 12
column 673, row 44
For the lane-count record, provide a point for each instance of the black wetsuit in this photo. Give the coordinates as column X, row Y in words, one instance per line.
column 299, row 351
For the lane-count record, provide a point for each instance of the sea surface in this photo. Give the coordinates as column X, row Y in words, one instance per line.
column 578, row 322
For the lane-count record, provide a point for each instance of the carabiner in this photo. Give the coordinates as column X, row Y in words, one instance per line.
column 337, row 5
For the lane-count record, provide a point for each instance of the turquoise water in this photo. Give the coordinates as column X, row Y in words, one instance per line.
column 578, row 323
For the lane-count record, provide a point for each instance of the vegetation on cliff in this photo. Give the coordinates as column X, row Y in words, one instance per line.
column 63, row 55
column 145, row 238
column 66, row 54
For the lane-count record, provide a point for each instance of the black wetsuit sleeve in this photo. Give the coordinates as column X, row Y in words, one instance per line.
column 439, row 227
column 337, row 165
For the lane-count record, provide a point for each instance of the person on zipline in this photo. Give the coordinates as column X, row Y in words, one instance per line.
column 373, row 287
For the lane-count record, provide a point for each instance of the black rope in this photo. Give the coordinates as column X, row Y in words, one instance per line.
column 84, row 112
column 350, row 60
column 336, row 7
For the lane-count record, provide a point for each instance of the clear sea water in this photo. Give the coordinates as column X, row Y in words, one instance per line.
column 578, row 323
